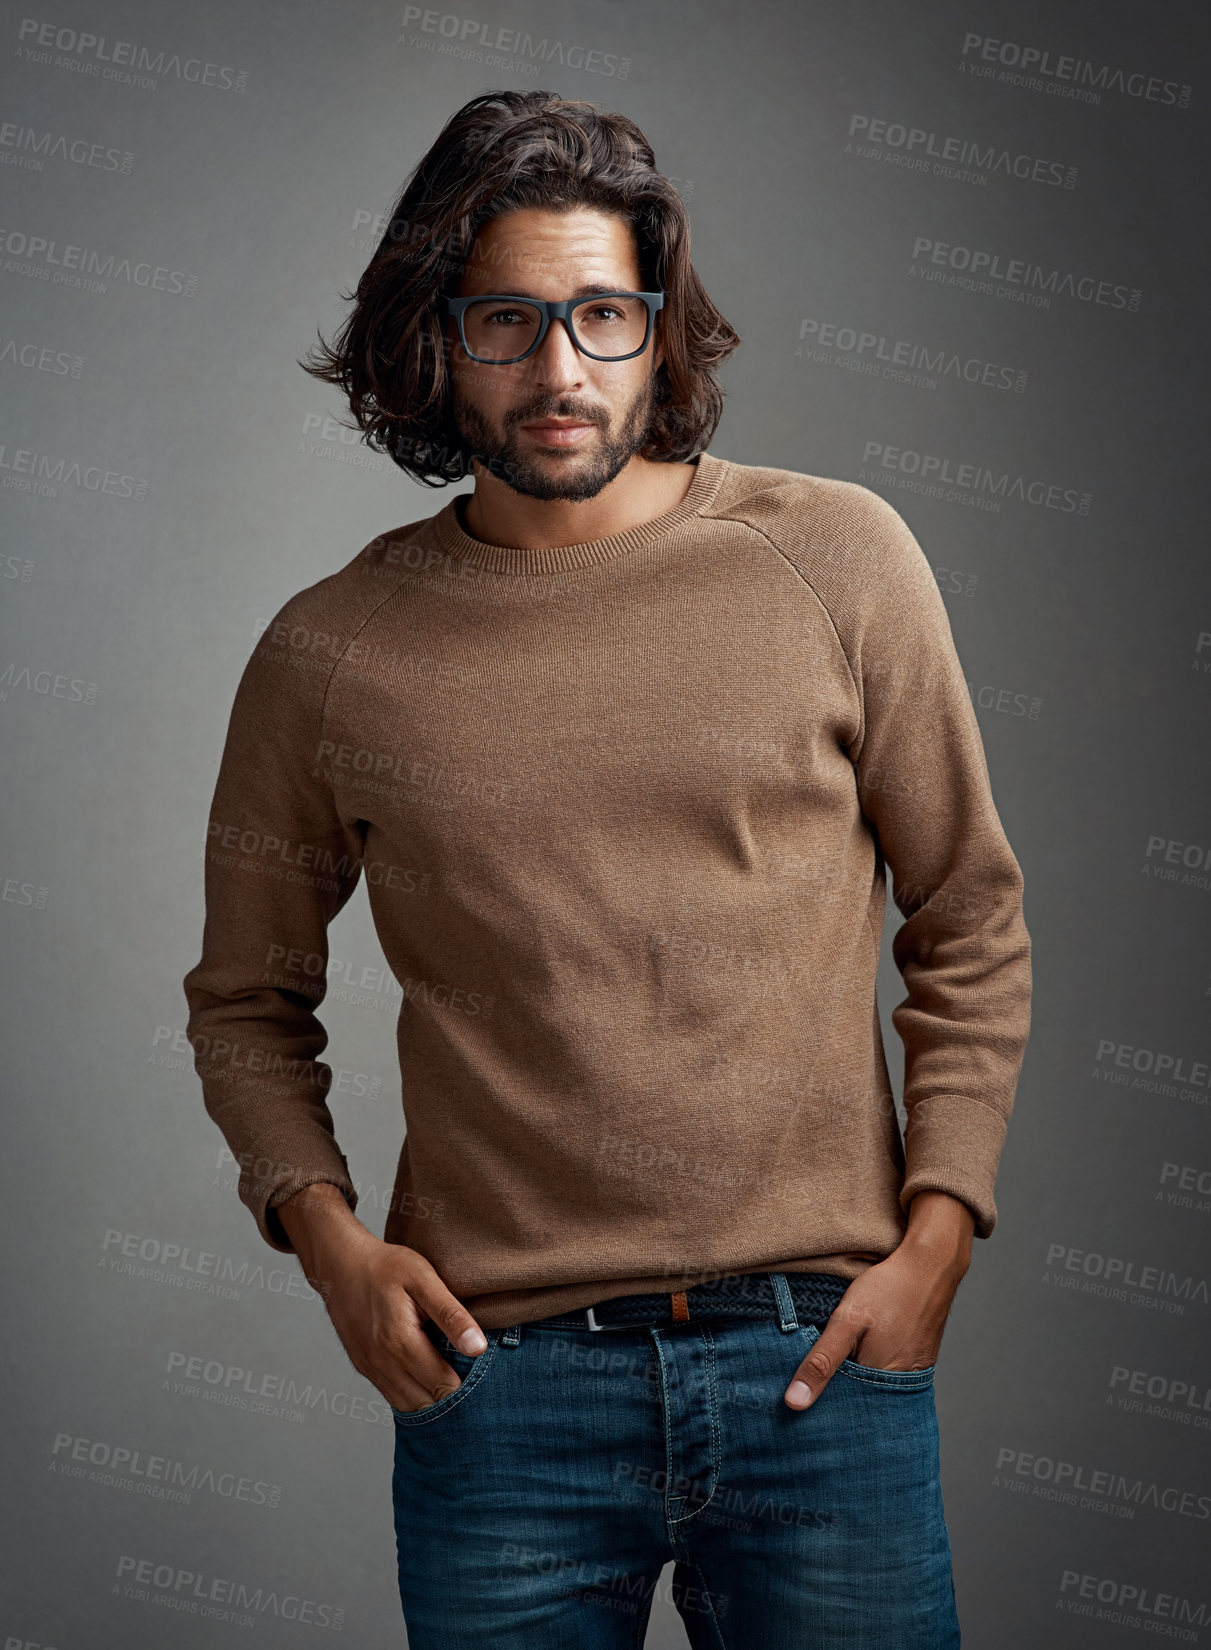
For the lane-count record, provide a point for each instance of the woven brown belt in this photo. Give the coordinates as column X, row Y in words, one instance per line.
column 740, row 1295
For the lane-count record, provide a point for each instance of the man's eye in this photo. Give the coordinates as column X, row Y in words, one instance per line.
column 499, row 315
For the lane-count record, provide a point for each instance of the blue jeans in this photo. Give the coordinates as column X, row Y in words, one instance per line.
column 536, row 1506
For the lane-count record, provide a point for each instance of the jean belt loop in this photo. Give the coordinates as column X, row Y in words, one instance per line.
column 511, row 1336
column 787, row 1316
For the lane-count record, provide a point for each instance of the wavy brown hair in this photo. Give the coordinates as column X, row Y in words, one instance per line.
column 500, row 152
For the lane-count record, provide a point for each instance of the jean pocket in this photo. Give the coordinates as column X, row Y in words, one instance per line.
column 903, row 1380
column 471, row 1371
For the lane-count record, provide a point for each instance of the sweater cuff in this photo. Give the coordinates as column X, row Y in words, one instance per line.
column 268, row 1180
column 953, row 1144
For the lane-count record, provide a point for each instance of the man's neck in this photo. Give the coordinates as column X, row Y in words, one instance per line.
column 641, row 492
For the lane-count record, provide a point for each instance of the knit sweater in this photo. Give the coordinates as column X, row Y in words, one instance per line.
column 625, row 811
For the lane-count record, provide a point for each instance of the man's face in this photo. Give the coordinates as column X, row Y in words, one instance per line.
column 551, row 255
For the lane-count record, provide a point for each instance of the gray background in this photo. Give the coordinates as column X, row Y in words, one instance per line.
column 1085, row 634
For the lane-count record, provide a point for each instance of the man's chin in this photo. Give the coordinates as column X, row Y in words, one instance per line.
column 571, row 489
column 556, row 472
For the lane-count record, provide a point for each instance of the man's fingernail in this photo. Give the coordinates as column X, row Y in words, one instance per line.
column 799, row 1393
column 471, row 1341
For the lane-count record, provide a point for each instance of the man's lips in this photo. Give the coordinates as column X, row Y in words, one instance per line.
column 558, row 432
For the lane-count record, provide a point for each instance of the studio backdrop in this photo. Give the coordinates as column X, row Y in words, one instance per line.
column 965, row 250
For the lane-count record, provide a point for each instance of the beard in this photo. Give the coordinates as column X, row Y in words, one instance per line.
column 575, row 474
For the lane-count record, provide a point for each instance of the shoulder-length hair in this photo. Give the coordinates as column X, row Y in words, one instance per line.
column 500, row 152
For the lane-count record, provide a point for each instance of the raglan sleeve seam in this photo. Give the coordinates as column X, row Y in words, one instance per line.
column 829, row 615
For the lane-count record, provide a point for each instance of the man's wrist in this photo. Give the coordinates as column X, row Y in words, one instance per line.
column 316, row 1219
column 940, row 1226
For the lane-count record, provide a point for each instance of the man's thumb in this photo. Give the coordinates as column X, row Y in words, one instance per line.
column 816, row 1369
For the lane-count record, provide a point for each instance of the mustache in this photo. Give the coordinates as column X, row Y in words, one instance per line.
column 585, row 415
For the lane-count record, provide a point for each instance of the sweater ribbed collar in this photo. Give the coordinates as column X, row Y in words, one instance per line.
column 504, row 558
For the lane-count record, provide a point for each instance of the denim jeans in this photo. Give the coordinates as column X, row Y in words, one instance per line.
column 537, row 1505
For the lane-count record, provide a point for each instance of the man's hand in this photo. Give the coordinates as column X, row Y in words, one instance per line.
column 378, row 1296
column 895, row 1312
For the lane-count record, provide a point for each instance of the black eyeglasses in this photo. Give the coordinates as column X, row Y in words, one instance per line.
column 609, row 326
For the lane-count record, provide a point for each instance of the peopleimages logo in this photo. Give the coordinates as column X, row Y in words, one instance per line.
column 43, row 474
column 128, row 1467
column 193, row 1592
column 262, row 1393
column 1113, row 1276
column 501, row 47
column 84, row 266
column 985, row 271
column 182, row 1267
column 122, row 60
column 30, row 148
column 1188, row 863
column 42, row 358
column 976, row 479
column 989, row 58
column 1077, row 1480
column 1186, row 1401
column 948, row 155
column 876, row 354
column 1131, row 1604
column 1152, row 1071
column 56, row 684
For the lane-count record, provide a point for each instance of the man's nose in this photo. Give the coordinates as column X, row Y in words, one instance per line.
column 557, row 362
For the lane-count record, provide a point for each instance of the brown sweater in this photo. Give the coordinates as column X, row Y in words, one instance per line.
column 623, row 810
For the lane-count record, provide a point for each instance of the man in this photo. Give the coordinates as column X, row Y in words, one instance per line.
column 623, row 742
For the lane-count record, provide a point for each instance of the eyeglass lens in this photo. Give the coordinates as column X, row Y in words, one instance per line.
column 497, row 331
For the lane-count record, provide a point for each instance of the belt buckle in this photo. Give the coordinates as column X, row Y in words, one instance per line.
column 680, row 1309
column 591, row 1319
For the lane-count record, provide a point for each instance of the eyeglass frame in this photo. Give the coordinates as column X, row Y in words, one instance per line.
column 552, row 309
